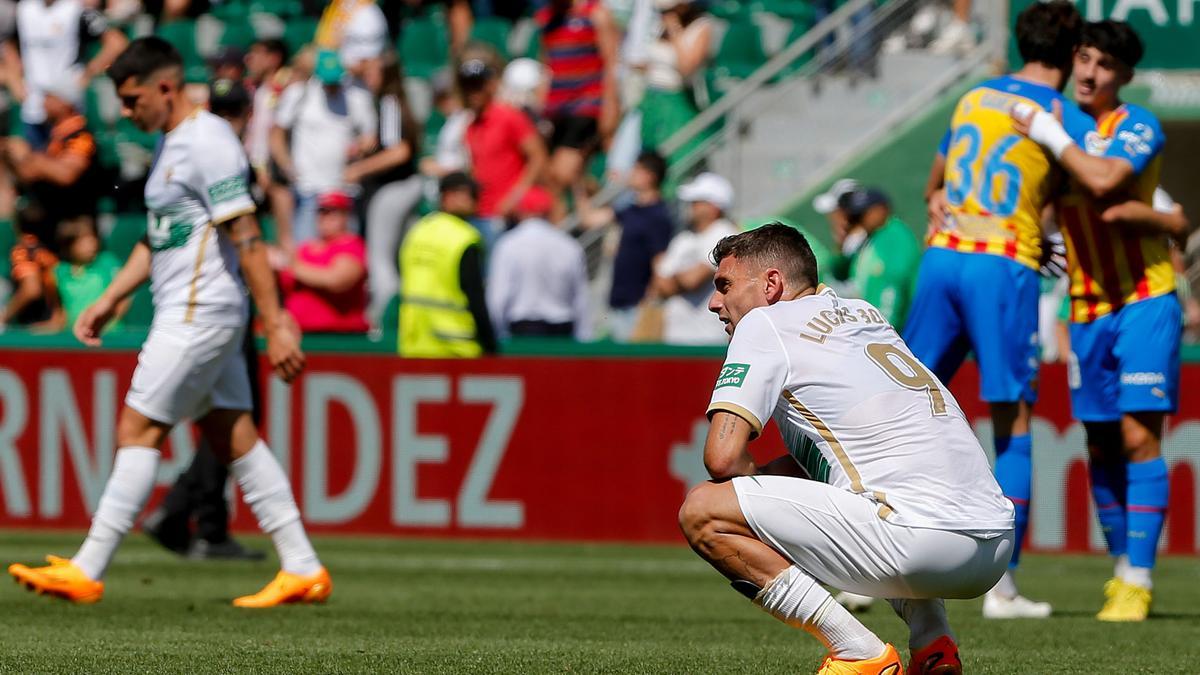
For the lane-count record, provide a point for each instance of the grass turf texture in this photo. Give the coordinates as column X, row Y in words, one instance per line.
column 483, row 607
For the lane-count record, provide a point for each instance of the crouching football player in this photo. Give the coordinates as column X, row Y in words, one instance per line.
column 885, row 490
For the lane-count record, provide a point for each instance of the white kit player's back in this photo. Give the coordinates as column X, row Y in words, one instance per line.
column 838, row 379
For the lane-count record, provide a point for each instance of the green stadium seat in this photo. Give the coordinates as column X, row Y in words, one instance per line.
column 741, row 51
column 729, row 10
column 533, row 48
column 299, row 32
column 230, row 11
column 796, row 10
column 127, row 231
column 799, row 28
column 141, row 312
column 390, row 321
column 492, row 31
column 238, row 34
column 280, row 8
column 8, row 238
column 182, row 35
column 424, row 47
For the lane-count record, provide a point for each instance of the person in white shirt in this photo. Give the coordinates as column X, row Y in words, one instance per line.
column 49, row 46
column 537, row 277
column 330, row 123
column 203, row 251
column 685, row 270
column 885, row 490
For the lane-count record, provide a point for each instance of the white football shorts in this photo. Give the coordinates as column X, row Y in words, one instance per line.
column 839, row 539
column 186, row 370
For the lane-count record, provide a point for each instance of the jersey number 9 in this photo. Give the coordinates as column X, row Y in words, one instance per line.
column 908, row 373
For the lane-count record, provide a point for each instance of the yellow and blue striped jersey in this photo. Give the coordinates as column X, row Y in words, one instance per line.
column 997, row 181
column 1110, row 266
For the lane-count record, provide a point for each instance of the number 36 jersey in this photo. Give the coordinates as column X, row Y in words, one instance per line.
column 198, row 180
column 997, row 181
column 859, row 412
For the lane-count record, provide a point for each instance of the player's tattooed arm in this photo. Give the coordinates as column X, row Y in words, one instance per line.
column 283, row 337
column 726, row 453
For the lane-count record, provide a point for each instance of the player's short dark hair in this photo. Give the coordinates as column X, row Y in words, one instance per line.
column 144, row 57
column 655, row 164
column 1048, row 32
column 1115, row 38
column 772, row 245
column 274, row 46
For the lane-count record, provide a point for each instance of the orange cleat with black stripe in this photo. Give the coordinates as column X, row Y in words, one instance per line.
column 887, row 663
column 61, row 579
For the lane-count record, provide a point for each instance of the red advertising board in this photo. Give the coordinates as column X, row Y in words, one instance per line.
column 523, row 448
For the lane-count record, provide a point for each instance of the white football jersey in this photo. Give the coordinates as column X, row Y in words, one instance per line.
column 199, row 180
column 858, row 411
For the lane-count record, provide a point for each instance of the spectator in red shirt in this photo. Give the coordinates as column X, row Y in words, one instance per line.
column 507, row 154
column 325, row 286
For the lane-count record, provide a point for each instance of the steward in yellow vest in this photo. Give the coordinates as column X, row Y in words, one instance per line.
column 443, row 310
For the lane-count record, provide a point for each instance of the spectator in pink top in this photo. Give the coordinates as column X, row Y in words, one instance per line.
column 325, row 285
column 507, row 154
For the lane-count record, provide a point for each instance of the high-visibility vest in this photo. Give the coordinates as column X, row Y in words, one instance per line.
column 435, row 321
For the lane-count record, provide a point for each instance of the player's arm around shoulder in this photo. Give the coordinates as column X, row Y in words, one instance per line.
column 283, row 335
column 1059, row 133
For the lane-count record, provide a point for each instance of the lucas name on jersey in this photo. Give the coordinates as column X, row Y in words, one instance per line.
column 825, row 322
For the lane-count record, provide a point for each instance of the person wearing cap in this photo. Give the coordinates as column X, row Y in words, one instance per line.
column 358, row 31
column 878, row 255
column 325, row 284
column 507, row 153
column 672, row 61
column 329, row 123
column 48, row 47
column 537, row 281
column 443, row 307
column 229, row 100
column 683, row 275
column 63, row 181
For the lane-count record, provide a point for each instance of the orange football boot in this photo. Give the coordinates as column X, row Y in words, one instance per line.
column 61, row 578
column 287, row 588
column 887, row 663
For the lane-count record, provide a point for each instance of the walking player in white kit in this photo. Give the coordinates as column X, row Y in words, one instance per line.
column 202, row 242
column 885, row 491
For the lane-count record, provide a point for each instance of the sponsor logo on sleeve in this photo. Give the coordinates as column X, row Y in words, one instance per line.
column 227, row 189
column 733, row 375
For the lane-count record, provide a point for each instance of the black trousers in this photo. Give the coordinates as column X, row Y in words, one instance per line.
column 537, row 328
column 199, row 492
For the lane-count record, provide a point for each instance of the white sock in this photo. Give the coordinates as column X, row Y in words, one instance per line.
column 266, row 490
column 1006, row 587
column 798, row 600
column 926, row 621
column 129, row 485
column 1120, row 565
column 1138, row 576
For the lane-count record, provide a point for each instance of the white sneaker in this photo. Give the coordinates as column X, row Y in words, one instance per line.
column 854, row 602
column 956, row 38
column 996, row 606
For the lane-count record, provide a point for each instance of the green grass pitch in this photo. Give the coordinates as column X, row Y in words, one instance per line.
column 417, row 606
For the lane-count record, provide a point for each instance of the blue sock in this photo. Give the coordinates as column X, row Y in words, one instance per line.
column 1147, row 508
column 1108, row 491
column 1014, row 472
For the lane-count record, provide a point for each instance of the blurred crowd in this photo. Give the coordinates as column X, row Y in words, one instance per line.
column 421, row 166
